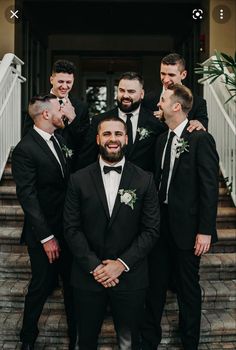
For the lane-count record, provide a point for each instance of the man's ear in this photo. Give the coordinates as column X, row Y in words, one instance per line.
column 97, row 140
column 176, row 106
column 126, row 139
column 184, row 74
column 51, row 79
column 142, row 94
column 45, row 114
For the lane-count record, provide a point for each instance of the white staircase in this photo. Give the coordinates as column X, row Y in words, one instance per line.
column 10, row 105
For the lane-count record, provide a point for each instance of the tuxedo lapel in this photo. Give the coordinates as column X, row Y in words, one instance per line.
column 159, row 155
column 124, row 184
column 44, row 146
column 184, row 135
column 141, row 123
column 59, row 139
column 98, row 182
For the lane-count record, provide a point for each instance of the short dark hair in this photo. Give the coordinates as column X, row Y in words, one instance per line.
column 132, row 76
column 41, row 98
column 183, row 95
column 39, row 103
column 173, row 59
column 111, row 118
column 63, row 66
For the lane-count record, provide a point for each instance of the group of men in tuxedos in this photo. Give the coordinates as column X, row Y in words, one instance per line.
column 122, row 237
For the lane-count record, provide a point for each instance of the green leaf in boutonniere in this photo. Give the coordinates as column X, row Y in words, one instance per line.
column 144, row 133
column 128, row 197
column 181, row 146
column 67, row 151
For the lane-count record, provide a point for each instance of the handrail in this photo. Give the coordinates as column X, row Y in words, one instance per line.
column 222, row 125
column 10, row 105
column 8, row 60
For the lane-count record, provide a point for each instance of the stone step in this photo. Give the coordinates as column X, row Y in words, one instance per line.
column 215, row 295
column 210, row 346
column 14, row 266
column 8, row 195
column 7, row 178
column 226, row 217
column 224, row 199
column 226, row 241
column 216, row 327
column 216, row 266
column 10, row 240
column 12, row 215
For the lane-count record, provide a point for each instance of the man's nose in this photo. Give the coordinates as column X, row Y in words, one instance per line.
column 126, row 94
column 166, row 79
column 113, row 137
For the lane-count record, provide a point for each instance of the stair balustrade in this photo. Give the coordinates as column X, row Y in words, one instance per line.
column 10, row 105
column 222, row 125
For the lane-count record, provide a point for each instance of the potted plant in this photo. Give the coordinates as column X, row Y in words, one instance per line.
column 217, row 68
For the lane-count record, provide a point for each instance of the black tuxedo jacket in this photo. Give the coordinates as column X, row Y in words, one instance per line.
column 40, row 188
column 198, row 111
column 75, row 132
column 193, row 190
column 142, row 151
column 93, row 235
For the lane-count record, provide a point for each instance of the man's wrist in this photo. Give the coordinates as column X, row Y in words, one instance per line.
column 45, row 240
column 124, row 264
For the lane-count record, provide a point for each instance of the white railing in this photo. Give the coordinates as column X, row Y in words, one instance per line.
column 222, row 125
column 10, row 105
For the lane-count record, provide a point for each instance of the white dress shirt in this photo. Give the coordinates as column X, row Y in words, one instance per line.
column 134, row 120
column 63, row 99
column 178, row 131
column 111, row 183
column 46, row 136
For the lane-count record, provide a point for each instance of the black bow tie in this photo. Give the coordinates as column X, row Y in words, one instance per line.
column 107, row 169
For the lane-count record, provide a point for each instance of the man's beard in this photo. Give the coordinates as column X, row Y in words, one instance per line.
column 58, row 123
column 128, row 109
column 112, row 157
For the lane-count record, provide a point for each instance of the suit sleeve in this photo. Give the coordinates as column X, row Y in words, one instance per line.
column 149, row 228
column 25, row 176
column 76, row 131
column 73, row 233
column 89, row 151
column 199, row 111
column 208, row 171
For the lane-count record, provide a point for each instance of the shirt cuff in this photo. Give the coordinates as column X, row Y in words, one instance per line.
column 47, row 239
column 126, row 266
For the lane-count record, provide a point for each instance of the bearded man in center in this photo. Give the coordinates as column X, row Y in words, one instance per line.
column 111, row 223
column 142, row 127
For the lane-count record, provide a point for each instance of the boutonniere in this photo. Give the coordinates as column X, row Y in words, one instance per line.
column 128, row 197
column 67, row 151
column 181, row 146
column 144, row 133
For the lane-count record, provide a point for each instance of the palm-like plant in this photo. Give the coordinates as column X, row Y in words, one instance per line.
column 217, row 68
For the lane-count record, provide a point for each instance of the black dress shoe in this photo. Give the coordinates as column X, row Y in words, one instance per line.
column 27, row 346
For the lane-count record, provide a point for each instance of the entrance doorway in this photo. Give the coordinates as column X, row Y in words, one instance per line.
column 100, row 76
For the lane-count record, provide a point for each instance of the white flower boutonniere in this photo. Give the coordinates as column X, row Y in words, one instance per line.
column 181, row 146
column 144, row 133
column 128, row 197
column 67, row 151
